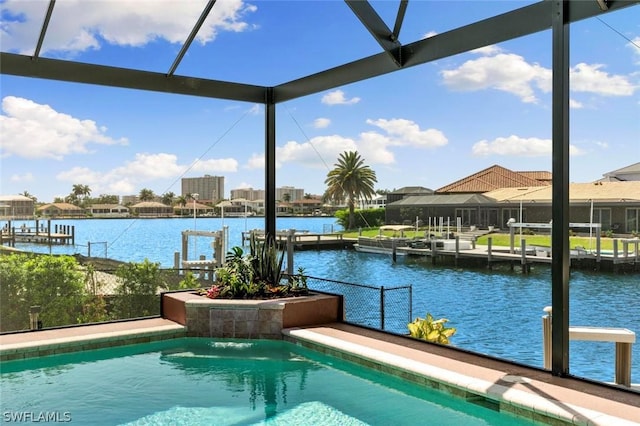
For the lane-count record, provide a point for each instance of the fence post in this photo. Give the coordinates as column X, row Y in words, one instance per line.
column 34, row 314
column 382, row 308
column 546, row 338
column 88, row 248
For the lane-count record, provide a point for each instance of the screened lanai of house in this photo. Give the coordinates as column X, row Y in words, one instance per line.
column 391, row 56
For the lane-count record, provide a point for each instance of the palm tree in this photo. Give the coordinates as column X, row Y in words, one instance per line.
column 350, row 180
column 146, row 195
column 168, row 198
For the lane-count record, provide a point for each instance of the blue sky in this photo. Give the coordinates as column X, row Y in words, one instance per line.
column 428, row 125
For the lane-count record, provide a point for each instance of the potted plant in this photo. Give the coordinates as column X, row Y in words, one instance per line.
column 255, row 275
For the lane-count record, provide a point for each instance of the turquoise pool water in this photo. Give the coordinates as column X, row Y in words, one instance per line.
column 228, row 382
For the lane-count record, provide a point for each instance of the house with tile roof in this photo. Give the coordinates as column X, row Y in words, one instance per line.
column 616, row 205
column 495, row 177
column 59, row 210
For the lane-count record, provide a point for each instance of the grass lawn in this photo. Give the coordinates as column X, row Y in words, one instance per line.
column 499, row 239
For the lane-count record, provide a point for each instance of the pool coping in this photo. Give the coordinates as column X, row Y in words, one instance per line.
column 526, row 392
column 63, row 340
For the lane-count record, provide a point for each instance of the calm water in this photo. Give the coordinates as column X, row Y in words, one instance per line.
column 496, row 312
column 200, row 382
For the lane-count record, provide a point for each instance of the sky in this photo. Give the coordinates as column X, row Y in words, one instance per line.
column 428, row 125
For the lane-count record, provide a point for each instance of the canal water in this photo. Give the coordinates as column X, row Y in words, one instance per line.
column 496, row 312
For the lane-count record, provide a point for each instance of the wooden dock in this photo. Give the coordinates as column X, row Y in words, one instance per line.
column 304, row 240
column 41, row 233
column 628, row 259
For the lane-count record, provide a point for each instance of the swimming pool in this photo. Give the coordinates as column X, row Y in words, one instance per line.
column 194, row 381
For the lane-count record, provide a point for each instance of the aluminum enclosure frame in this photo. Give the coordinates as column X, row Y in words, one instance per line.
column 556, row 15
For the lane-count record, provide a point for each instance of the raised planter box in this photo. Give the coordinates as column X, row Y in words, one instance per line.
column 249, row 319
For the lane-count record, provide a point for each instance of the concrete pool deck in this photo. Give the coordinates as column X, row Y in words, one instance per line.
column 528, row 392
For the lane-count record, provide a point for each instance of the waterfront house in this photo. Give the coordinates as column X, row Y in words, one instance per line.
column 628, row 173
column 16, row 206
column 616, row 205
column 60, row 210
column 495, row 177
column 151, row 209
column 108, row 210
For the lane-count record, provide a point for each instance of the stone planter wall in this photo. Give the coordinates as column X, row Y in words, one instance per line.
column 249, row 319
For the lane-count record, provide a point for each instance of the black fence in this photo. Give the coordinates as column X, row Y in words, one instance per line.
column 46, row 296
column 382, row 308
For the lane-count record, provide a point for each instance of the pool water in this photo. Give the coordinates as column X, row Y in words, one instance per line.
column 195, row 381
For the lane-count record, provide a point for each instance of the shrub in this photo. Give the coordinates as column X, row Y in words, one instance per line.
column 367, row 218
column 54, row 283
column 138, row 292
column 431, row 330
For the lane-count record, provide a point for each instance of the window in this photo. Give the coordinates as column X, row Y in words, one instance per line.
column 602, row 216
column 468, row 216
column 633, row 220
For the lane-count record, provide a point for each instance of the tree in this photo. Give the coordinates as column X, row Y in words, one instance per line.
column 146, row 195
column 168, row 198
column 78, row 193
column 286, row 197
column 28, row 195
column 350, row 180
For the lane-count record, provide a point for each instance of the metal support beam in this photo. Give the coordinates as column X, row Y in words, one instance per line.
column 192, row 36
column 560, row 189
column 399, row 18
column 378, row 29
column 517, row 23
column 270, row 165
column 45, row 25
column 55, row 69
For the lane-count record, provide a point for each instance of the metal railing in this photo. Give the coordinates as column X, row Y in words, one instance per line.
column 383, row 308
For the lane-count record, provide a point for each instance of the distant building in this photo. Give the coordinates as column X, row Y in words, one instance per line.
column 629, row 173
column 108, row 210
column 16, row 206
column 295, row 194
column 210, row 188
column 152, row 209
column 128, row 200
column 495, row 177
column 377, row 202
column 54, row 210
column 407, row 191
column 249, row 194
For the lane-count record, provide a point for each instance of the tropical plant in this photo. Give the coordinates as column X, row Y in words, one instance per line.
column 168, row 197
column 350, row 180
column 366, row 218
column 431, row 330
column 255, row 275
column 146, row 195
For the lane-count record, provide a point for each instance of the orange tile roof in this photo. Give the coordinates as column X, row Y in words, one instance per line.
column 492, row 178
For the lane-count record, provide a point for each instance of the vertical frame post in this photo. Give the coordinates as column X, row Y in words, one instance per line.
column 270, row 165
column 560, row 189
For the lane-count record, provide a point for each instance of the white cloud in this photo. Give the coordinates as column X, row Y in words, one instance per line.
column 218, row 165
column 337, row 98
column 27, row 177
column 517, row 146
column 407, row 132
column 511, row 73
column 506, row 72
column 143, row 169
column 321, row 151
column 321, row 123
column 429, row 34
column 76, row 27
column 32, row 130
column 590, row 78
column 575, row 104
column 489, row 50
